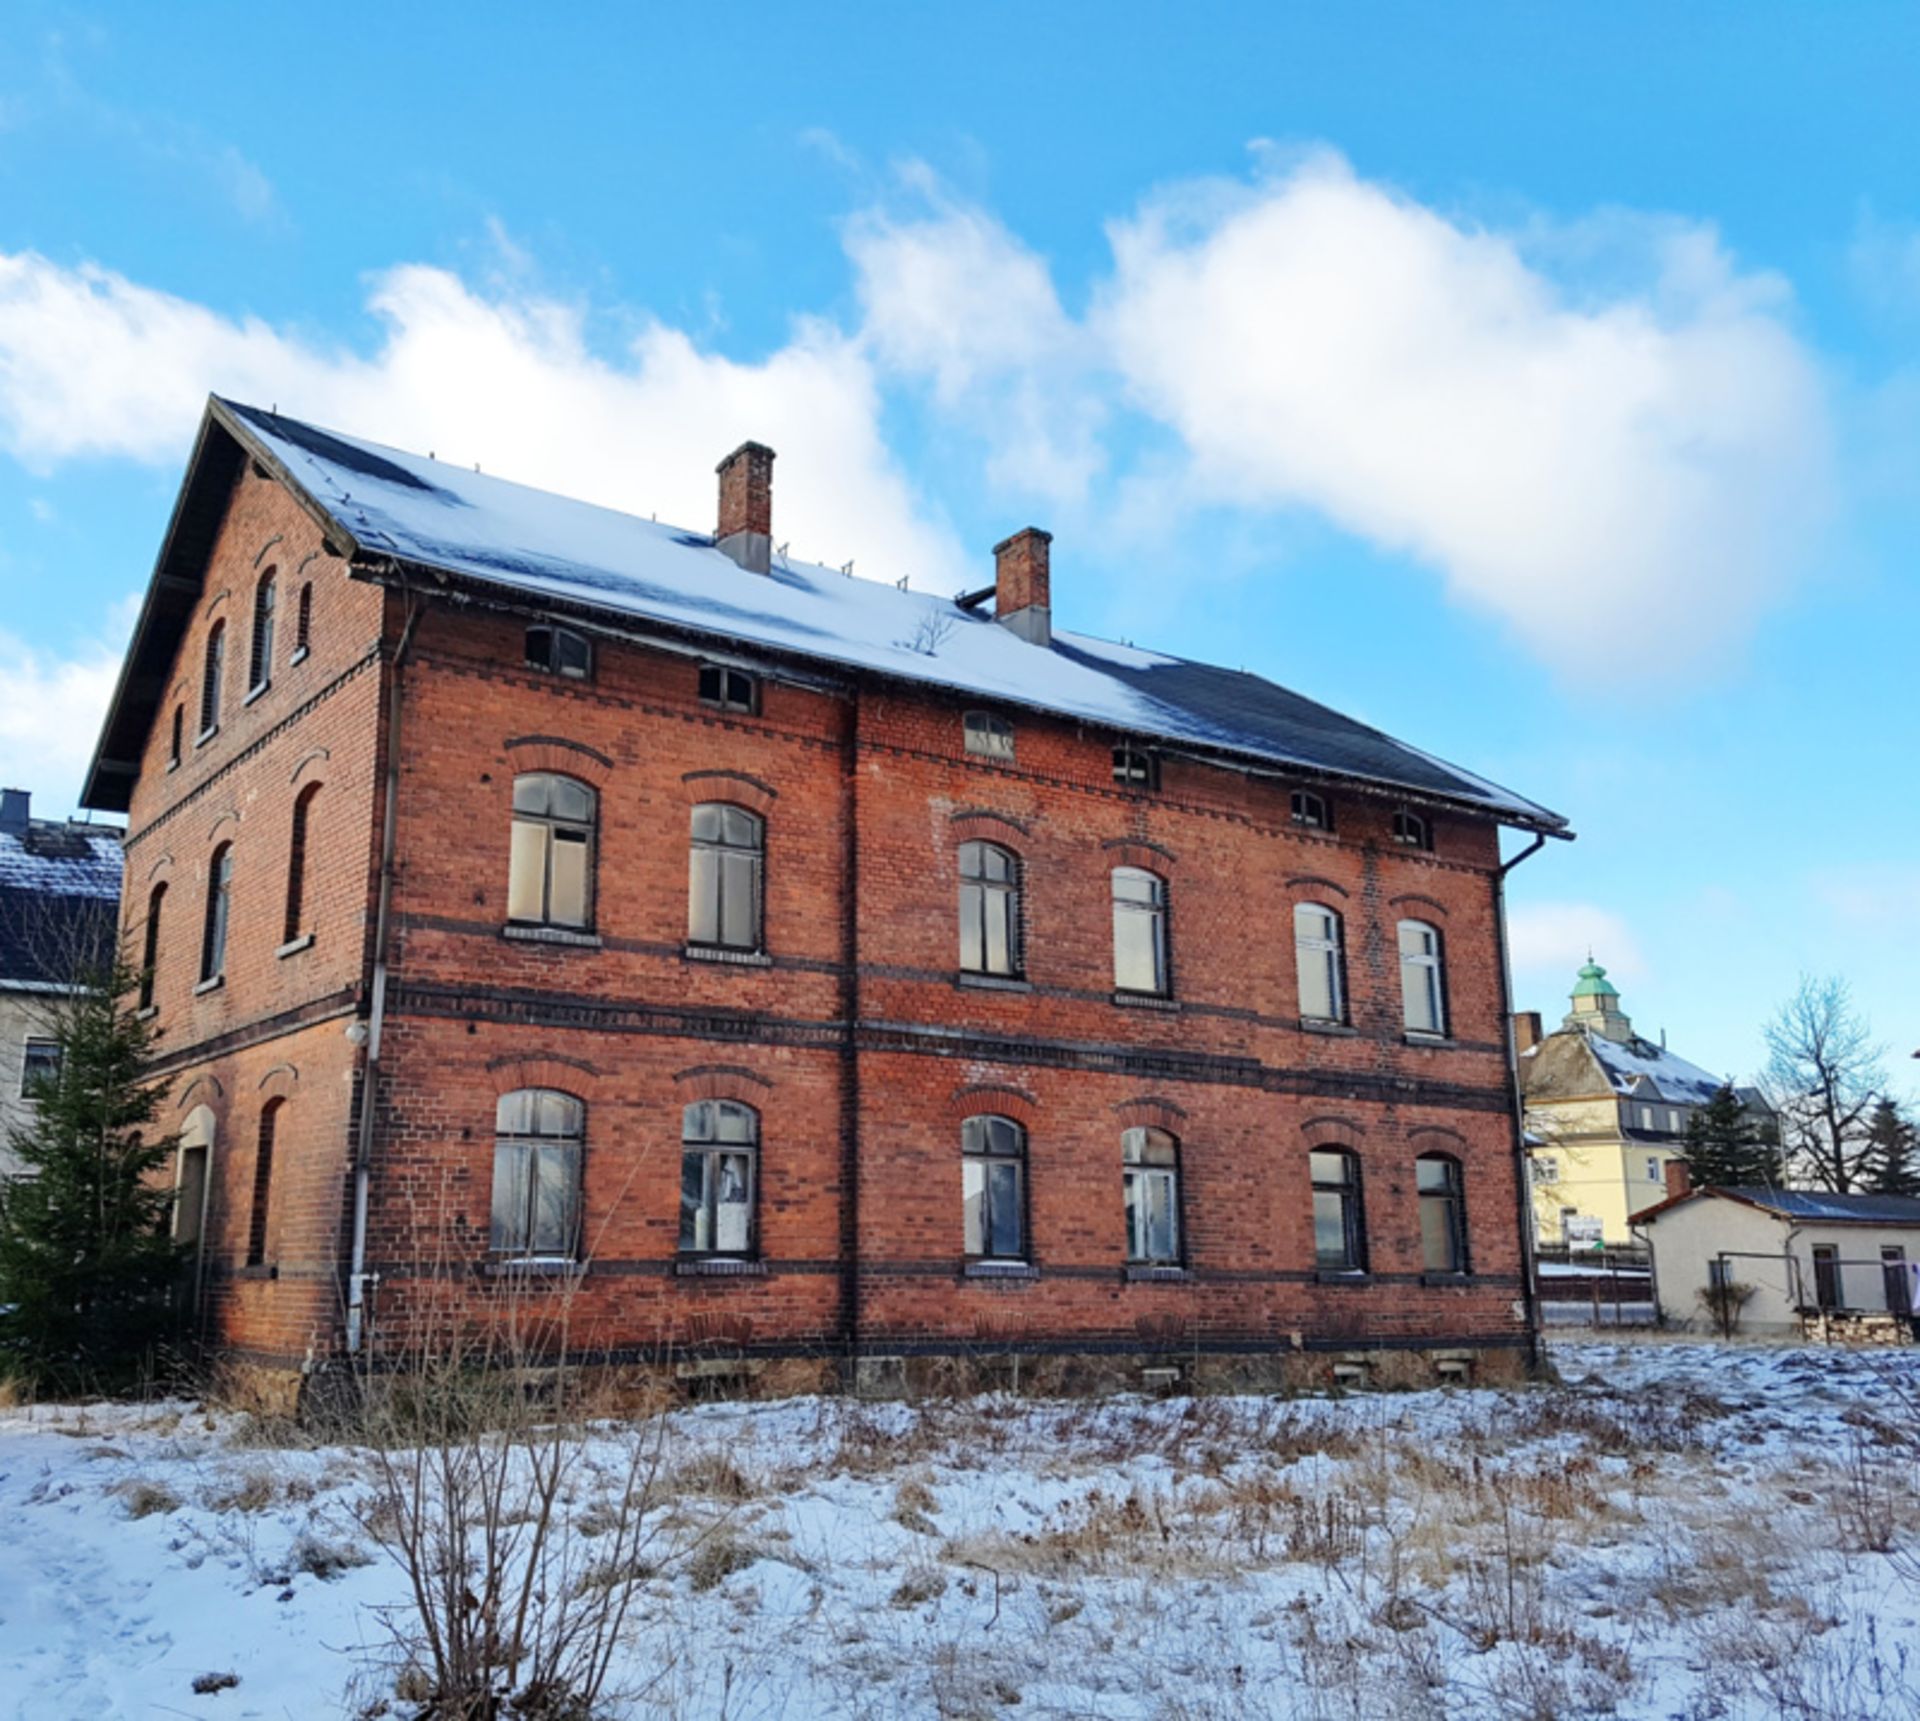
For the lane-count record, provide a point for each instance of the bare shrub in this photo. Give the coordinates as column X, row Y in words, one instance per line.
column 145, row 1499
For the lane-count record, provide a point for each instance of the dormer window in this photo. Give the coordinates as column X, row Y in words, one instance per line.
column 1411, row 831
column 1313, row 811
column 729, row 689
column 1135, row 768
column 559, row 651
column 988, row 736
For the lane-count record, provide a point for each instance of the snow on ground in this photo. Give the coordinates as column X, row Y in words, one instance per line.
column 1676, row 1530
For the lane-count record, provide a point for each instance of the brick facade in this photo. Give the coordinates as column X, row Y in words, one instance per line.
column 851, row 1034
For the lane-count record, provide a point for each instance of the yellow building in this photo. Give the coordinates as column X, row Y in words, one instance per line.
column 1606, row 1111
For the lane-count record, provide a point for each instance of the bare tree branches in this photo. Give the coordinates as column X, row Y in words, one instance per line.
column 1823, row 1075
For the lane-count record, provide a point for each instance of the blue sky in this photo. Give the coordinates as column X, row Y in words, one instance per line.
column 1541, row 384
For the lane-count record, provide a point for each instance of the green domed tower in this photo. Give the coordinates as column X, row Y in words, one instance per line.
column 1596, row 1004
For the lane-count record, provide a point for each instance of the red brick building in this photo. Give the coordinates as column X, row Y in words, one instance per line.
column 800, row 973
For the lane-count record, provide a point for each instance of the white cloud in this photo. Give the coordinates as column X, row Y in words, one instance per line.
column 1549, row 941
column 51, row 709
column 94, row 364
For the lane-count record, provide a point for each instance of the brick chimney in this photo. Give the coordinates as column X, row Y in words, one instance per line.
column 1679, row 1179
column 15, row 805
column 745, row 531
column 1022, row 599
column 1526, row 1030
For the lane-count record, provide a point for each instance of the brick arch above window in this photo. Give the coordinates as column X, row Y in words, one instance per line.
column 992, row 1099
column 735, row 788
column 203, row 1086
column 541, row 1069
column 260, row 555
column 1139, row 852
column 218, row 598
column 1426, row 902
column 319, row 756
column 1150, row 1111
column 279, row 1081
column 986, row 822
column 556, row 753
column 1313, row 881
column 1434, row 1138
column 163, row 862
column 722, row 1082
column 229, row 815
column 1328, row 1131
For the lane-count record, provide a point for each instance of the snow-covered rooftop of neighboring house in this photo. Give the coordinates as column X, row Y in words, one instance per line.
column 1817, row 1204
column 547, row 547
column 56, row 880
column 1632, row 1063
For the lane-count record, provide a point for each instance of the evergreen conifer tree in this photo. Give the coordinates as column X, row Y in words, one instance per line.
column 1725, row 1145
column 87, row 1264
column 1893, row 1166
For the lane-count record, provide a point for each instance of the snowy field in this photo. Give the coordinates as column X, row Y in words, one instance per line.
column 1677, row 1531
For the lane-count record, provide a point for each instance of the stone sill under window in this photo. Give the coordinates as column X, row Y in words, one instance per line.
column 1013, row 1270
column 1446, row 1278
column 254, row 693
column 146, row 1012
column 1149, row 1273
column 1346, row 1276
column 257, row 1270
column 1414, row 1037
column 724, row 954
column 300, row 655
column 551, row 935
column 1147, row 1001
column 534, row 1267
column 1320, row 1025
column 206, row 735
column 294, row 946
column 212, row 985
column 992, row 982
column 173, row 764
column 713, row 1267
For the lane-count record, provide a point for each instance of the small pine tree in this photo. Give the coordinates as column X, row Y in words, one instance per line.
column 87, row 1265
column 1893, row 1164
column 1726, row 1146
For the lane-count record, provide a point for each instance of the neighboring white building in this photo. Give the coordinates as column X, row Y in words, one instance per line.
column 1800, row 1250
column 59, row 896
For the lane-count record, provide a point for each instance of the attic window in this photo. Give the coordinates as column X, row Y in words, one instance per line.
column 1411, row 831
column 1311, row 810
column 988, row 736
column 559, row 651
column 1135, row 768
column 730, row 689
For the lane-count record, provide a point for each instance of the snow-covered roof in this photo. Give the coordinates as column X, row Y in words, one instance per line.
column 1821, row 1204
column 535, row 545
column 1634, row 1064
column 59, row 885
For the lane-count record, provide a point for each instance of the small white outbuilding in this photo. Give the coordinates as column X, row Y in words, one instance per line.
column 1798, row 1254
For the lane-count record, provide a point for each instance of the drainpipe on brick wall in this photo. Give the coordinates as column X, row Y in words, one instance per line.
column 850, row 1070
column 377, row 1008
column 1523, row 1192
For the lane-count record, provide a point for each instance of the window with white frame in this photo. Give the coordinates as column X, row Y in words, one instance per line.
column 719, row 1167
column 1139, row 932
column 989, row 910
column 987, row 736
column 724, row 877
column 538, row 1134
column 550, row 861
column 1545, row 1170
column 1423, row 993
column 1319, row 963
column 1151, row 1184
column 39, row 1064
column 993, row 1153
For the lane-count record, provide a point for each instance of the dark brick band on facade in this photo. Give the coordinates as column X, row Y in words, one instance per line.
column 776, row 1015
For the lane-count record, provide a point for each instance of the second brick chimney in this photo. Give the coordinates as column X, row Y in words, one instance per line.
column 745, row 531
column 1022, row 598
column 1526, row 1030
column 1679, row 1179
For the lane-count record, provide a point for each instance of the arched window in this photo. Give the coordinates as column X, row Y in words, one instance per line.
column 987, row 736
column 1320, row 963
column 550, row 864
column 989, row 909
column 559, row 651
column 723, row 877
column 1151, row 1179
column 1411, row 831
column 260, row 663
column 1313, row 811
column 213, row 940
column 719, row 1177
column 150, row 944
column 1423, row 991
column 176, row 739
column 536, row 1175
column 993, row 1154
column 1339, row 1228
column 190, row 1182
column 262, row 1183
column 211, row 670
column 297, row 863
column 1140, row 932
column 303, row 623
column 1443, row 1214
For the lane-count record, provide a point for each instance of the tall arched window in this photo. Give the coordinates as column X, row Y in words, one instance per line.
column 260, row 659
column 297, row 863
column 150, row 944
column 175, row 740
column 536, row 1175
column 211, row 671
column 993, row 1152
column 723, row 877
column 1423, row 990
column 1339, row 1226
column 719, row 1177
column 303, row 623
column 1151, row 1180
column 550, row 864
column 989, row 909
column 1140, row 932
column 213, row 939
column 1443, row 1214
column 262, row 1183
column 1319, row 962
